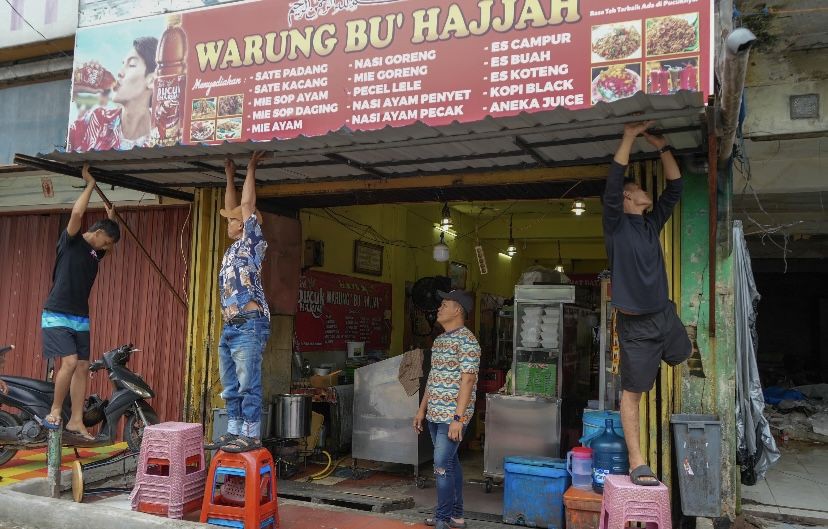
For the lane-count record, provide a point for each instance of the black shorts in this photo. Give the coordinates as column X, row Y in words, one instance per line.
column 645, row 341
column 63, row 341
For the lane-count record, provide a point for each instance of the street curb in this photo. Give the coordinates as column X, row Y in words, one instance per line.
column 24, row 503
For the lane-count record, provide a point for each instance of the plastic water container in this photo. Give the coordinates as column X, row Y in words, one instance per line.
column 609, row 456
column 593, row 424
column 579, row 466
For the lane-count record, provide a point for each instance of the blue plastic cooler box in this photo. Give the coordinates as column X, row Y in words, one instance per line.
column 533, row 491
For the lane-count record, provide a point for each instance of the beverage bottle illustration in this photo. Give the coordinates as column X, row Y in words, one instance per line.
column 170, row 83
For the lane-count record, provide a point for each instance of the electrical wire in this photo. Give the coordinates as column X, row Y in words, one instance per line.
column 19, row 14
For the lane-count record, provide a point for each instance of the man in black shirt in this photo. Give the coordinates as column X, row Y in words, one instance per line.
column 65, row 318
column 649, row 329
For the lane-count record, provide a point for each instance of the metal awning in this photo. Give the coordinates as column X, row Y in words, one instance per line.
column 552, row 139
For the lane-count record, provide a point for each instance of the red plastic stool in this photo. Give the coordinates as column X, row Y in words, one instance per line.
column 626, row 502
column 171, row 472
column 241, row 491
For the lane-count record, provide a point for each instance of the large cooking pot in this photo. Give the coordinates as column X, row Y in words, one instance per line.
column 291, row 416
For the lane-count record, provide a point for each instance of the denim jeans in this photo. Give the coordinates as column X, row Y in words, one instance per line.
column 447, row 473
column 240, row 369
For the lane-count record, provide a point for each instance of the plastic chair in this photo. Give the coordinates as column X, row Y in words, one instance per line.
column 626, row 502
column 241, row 491
column 171, row 471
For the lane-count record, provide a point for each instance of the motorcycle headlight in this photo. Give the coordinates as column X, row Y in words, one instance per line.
column 136, row 389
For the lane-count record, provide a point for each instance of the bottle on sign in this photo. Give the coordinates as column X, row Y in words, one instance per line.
column 170, row 82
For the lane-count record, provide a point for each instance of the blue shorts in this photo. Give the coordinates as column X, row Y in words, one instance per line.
column 65, row 335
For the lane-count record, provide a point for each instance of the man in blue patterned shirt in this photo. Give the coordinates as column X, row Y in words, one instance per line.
column 448, row 403
column 245, row 313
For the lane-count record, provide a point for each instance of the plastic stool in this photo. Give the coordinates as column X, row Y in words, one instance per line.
column 169, row 480
column 223, row 504
column 626, row 502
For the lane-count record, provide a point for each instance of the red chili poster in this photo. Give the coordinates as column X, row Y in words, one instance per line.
column 270, row 69
column 334, row 309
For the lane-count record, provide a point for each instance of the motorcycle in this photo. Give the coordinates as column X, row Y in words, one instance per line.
column 33, row 400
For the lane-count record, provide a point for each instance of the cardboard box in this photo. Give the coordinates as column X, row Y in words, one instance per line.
column 583, row 508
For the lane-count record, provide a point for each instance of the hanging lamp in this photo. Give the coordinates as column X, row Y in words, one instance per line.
column 559, row 267
column 445, row 221
column 441, row 250
column 511, row 250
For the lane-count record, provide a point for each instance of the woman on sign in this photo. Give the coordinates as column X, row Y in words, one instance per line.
column 128, row 124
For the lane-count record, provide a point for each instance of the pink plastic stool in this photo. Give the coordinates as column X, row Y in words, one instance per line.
column 171, row 473
column 626, row 502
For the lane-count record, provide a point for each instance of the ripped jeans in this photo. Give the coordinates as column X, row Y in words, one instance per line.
column 447, row 473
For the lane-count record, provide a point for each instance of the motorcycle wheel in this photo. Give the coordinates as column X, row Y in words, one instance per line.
column 134, row 428
column 7, row 420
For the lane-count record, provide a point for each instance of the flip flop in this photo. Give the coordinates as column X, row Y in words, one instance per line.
column 640, row 473
column 80, row 434
column 242, row 444
column 221, row 442
column 54, row 424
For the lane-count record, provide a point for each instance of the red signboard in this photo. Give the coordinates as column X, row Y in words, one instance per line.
column 334, row 309
column 277, row 69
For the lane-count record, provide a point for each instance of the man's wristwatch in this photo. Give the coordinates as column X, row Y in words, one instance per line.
column 458, row 418
column 664, row 149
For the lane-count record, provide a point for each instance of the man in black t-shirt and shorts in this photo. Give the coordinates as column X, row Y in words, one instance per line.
column 65, row 318
column 649, row 329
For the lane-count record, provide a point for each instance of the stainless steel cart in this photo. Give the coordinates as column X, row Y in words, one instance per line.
column 383, row 416
column 528, row 422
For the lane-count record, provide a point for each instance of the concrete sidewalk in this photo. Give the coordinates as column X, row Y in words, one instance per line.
column 795, row 488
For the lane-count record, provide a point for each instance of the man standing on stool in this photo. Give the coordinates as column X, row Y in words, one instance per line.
column 649, row 329
column 448, row 403
column 245, row 313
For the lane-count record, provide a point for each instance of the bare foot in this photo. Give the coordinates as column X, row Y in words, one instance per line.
column 79, row 430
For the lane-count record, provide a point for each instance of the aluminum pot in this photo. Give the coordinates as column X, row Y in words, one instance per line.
column 291, row 416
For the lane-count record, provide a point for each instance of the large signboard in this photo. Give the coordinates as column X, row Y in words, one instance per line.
column 28, row 21
column 275, row 69
column 335, row 309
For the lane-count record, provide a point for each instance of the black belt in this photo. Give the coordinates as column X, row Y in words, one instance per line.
column 242, row 317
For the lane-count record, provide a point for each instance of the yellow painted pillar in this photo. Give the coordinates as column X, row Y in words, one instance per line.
column 203, row 321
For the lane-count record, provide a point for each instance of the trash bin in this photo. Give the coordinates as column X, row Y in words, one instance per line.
column 698, row 446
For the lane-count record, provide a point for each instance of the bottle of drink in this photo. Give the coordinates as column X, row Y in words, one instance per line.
column 170, row 82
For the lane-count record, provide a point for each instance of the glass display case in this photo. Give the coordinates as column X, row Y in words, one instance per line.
column 538, row 331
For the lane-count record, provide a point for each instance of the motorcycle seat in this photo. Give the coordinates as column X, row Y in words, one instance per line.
column 30, row 383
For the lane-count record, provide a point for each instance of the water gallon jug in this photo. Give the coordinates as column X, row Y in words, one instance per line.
column 609, row 456
column 594, row 421
column 579, row 465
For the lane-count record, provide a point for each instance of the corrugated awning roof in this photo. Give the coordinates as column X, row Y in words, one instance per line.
column 557, row 138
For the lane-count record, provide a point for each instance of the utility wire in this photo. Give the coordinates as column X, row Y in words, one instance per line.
column 19, row 14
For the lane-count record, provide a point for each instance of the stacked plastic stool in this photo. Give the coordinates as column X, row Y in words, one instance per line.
column 241, row 491
column 171, row 472
column 626, row 502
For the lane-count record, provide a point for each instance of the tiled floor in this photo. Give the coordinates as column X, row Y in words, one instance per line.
column 32, row 463
column 797, row 485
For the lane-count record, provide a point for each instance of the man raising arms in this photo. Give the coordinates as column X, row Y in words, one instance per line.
column 649, row 329
column 65, row 317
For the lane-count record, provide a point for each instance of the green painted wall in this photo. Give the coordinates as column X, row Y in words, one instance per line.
column 715, row 393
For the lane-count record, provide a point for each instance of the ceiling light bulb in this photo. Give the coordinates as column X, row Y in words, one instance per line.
column 579, row 207
column 441, row 251
column 559, row 268
column 511, row 250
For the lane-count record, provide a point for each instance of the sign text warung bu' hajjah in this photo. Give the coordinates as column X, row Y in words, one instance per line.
column 313, row 66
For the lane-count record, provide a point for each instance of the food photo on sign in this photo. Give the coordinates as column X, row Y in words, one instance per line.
column 128, row 85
